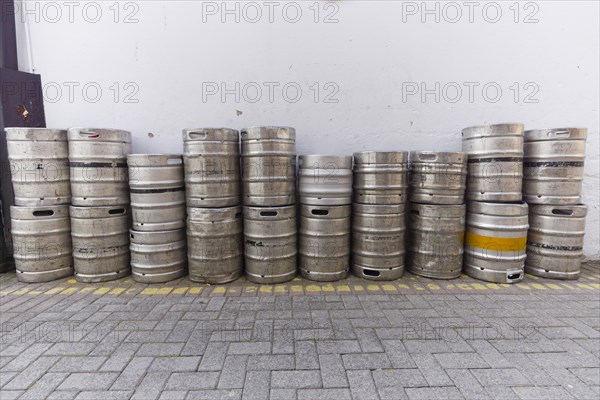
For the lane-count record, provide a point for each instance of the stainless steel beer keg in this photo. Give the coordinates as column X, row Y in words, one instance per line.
column 435, row 245
column 215, row 252
column 271, row 243
column 553, row 165
column 98, row 166
column 325, row 180
column 158, row 256
column 495, row 165
column 324, row 242
column 100, row 242
column 555, row 240
column 41, row 243
column 269, row 166
column 39, row 166
column 495, row 241
column 380, row 177
column 438, row 177
column 378, row 241
column 211, row 159
column 157, row 192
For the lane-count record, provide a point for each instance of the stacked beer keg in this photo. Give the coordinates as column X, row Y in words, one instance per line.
column 158, row 241
column 497, row 220
column 325, row 187
column 40, row 216
column 269, row 198
column 437, row 214
column 211, row 159
column 378, row 214
column 552, row 183
column 100, row 214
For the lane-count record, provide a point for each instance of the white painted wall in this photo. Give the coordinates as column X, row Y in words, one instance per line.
column 369, row 55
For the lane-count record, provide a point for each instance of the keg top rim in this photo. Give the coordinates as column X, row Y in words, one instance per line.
column 441, row 156
column 140, row 155
column 115, row 134
column 211, row 134
column 35, row 134
column 268, row 132
column 373, row 156
column 571, row 133
column 502, row 129
column 345, row 161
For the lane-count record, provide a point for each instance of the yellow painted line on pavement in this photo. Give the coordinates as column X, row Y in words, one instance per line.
column 538, row 286
column 328, row 288
column 70, row 290
column 433, row 286
column 195, row 290
column 373, row 288
column 159, row 291
column 595, row 285
column 55, row 290
column 554, row 286
column 279, row 289
column 219, row 290
column 584, row 286
column 522, row 285
column 297, row 288
column 463, row 286
column 492, row 286
column 389, row 288
column 313, row 289
column 21, row 291
column 358, row 288
column 266, row 289
column 479, row 286
column 34, row 292
column 117, row 291
column 250, row 289
column 72, row 281
column 343, row 288
column 103, row 290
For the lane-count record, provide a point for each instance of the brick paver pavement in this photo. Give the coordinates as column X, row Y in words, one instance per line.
column 414, row 338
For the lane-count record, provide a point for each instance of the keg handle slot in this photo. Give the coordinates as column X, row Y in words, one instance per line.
column 562, row 211
column 174, row 161
column 320, row 212
column 238, row 215
column 89, row 134
column 559, row 133
column 197, row 135
column 116, row 211
column 268, row 213
column 371, row 272
column 43, row 213
column 513, row 276
column 427, row 157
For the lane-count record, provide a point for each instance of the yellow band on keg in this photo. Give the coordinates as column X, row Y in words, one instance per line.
column 495, row 243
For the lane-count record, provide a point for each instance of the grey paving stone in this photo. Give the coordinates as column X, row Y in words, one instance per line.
column 192, row 380
column 570, row 382
column 173, row 395
column 249, row 348
column 218, row 394
column 338, row 346
column 460, row 360
column 159, row 349
column 70, row 349
column 547, row 392
column 105, row 395
column 362, row 386
column 366, row 361
column 489, row 354
column 392, row 393
column 132, row 374
column 333, row 373
column 397, row 354
column 324, row 394
column 78, row 364
column 467, row 384
column 257, row 385
column 175, row 364
column 589, row 376
column 271, row 362
column 27, row 356
column 62, row 395
column 399, row 377
column 431, row 370
column 88, row 381
column 295, row 379
column 428, row 393
column 283, row 394
column 214, row 356
column 306, row 355
column 233, row 374
column 44, row 386
column 29, row 375
column 500, row 377
column 151, row 385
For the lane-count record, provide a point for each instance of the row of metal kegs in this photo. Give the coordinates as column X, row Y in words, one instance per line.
column 231, row 205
